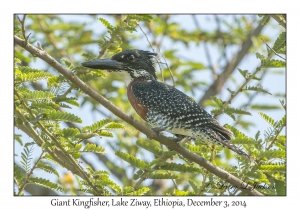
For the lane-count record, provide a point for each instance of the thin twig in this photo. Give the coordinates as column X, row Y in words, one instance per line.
column 275, row 138
column 159, row 61
column 175, row 184
column 172, row 76
column 273, row 50
column 23, row 28
column 224, row 175
column 157, row 58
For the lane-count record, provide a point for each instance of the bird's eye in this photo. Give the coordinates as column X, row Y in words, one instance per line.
column 130, row 57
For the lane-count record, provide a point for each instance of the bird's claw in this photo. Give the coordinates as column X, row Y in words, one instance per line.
column 157, row 130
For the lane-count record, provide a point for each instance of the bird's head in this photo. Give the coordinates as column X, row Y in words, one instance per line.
column 130, row 64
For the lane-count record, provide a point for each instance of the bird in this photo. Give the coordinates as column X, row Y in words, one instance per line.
column 161, row 105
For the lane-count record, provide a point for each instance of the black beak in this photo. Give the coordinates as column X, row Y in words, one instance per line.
column 106, row 64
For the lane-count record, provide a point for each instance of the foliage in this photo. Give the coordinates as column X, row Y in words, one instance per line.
column 46, row 107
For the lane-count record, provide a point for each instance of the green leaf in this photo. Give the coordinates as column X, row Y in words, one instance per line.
column 18, row 174
column 62, row 116
column 34, row 76
column 100, row 173
column 236, row 132
column 48, row 168
column 106, row 24
column 260, row 56
column 273, row 63
column 182, row 193
column 38, row 95
column 268, row 119
column 17, row 137
column 68, row 64
column 49, row 157
column 230, row 91
column 55, row 81
column 132, row 160
column 218, row 101
column 282, row 104
column 138, row 174
column 273, row 168
column 244, row 73
column 105, row 181
column 114, row 125
column 264, row 107
column 105, row 133
column 46, row 183
column 47, row 144
column 194, row 186
column 162, row 175
column 272, row 154
column 72, row 100
column 69, row 132
column 91, row 76
column 257, row 89
column 93, row 148
column 231, row 110
column 85, row 135
column 242, row 141
column 141, row 191
column 281, row 122
column 280, row 187
column 96, row 126
column 280, row 42
column 88, row 56
column 151, row 146
column 26, row 158
column 179, row 167
column 76, row 155
column 43, row 105
column 194, row 148
column 265, row 19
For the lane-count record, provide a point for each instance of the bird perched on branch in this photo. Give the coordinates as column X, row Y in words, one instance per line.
column 161, row 105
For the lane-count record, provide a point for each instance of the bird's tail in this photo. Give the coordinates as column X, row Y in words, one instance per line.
column 234, row 148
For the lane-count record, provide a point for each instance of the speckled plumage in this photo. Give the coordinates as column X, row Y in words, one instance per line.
column 165, row 106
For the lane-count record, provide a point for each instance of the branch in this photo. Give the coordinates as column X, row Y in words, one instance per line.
column 23, row 28
column 129, row 119
column 279, row 20
column 216, row 87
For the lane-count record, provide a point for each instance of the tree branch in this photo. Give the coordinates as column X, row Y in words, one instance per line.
column 279, row 20
column 216, row 87
column 129, row 119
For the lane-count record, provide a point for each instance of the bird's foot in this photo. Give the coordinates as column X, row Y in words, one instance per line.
column 158, row 130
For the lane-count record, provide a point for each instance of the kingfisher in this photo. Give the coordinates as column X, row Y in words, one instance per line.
column 163, row 106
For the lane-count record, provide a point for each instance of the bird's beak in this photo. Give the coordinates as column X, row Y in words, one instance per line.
column 106, row 64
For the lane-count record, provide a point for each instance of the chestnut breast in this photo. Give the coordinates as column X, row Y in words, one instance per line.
column 135, row 103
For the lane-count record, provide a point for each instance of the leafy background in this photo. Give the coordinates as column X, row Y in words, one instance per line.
column 197, row 49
